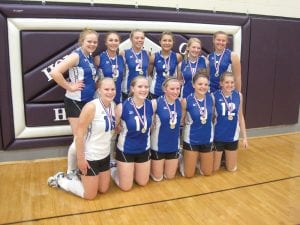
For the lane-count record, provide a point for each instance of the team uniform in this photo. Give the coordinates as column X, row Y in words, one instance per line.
column 134, row 138
column 163, row 68
column 226, row 125
column 198, row 130
column 136, row 64
column 188, row 70
column 165, row 135
column 218, row 64
column 85, row 71
column 114, row 68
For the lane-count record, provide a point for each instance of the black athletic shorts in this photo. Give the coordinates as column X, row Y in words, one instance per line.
column 198, row 148
column 137, row 158
column 155, row 155
column 73, row 107
column 97, row 166
column 230, row 146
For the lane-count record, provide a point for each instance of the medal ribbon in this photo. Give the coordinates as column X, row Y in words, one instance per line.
column 108, row 113
column 172, row 116
column 193, row 70
column 137, row 60
column 167, row 62
column 113, row 67
column 217, row 65
column 226, row 102
column 202, row 112
column 138, row 114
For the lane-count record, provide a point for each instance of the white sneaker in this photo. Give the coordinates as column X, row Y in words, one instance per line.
column 52, row 181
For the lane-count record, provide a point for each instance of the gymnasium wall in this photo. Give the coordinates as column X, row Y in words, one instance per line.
column 34, row 36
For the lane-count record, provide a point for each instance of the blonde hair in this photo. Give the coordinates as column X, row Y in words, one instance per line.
column 166, row 33
column 100, row 81
column 226, row 74
column 135, row 31
column 84, row 33
column 168, row 80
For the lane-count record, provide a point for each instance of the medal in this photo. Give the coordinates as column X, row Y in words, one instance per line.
column 203, row 120
column 111, row 120
column 230, row 117
column 141, row 72
column 193, row 70
column 166, row 66
column 142, row 121
column 218, row 63
column 139, row 62
column 166, row 74
column 172, row 114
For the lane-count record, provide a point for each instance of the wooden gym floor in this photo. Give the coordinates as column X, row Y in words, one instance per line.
column 264, row 190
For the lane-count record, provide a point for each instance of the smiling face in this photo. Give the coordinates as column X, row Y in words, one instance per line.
column 112, row 42
column 194, row 48
column 220, row 41
column 88, row 40
column 172, row 90
column 107, row 90
column 227, row 83
column 201, row 86
column 166, row 42
column 140, row 87
column 137, row 39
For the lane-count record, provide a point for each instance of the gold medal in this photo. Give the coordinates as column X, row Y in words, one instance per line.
column 172, row 124
column 203, row 121
column 144, row 130
column 230, row 117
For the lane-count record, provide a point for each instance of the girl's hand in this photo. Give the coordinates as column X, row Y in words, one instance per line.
column 83, row 165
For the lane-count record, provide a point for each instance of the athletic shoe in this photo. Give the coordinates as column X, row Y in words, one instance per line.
column 74, row 174
column 52, row 181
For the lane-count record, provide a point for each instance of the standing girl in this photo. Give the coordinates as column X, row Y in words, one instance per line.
column 163, row 64
column 165, row 132
column 222, row 60
column 229, row 122
column 197, row 110
column 80, row 87
column 136, row 60
column 192, row 64
column 134, row 116
column 94, row 131
column 111, row 64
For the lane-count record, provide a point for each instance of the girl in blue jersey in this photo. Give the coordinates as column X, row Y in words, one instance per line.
column 163, row 64
column 111, row 64
column 222, row 60
column 197, row 111
column 94, row 131
column 192, row 64
column 80, row 87
column 134, row 116
column 136, row 60
column 165, row 132
column 228, row 123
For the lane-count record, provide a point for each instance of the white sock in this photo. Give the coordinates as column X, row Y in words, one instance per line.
column 156, row 179
column 114, row 175
column 72, row 158
column 181, row 165
column 74, row 186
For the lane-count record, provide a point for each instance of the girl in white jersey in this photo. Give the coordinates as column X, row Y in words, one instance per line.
column 80, row 87
column 94, row 131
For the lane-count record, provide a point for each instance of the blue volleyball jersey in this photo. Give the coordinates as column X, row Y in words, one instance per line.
column 187, row 75
column 107, row 67
column 163, row 138
column 132, row 67
column 131, row 139
column 225, row 66
column 85, row 71
column 195, row 132
column 162, row 68
column 227, row 130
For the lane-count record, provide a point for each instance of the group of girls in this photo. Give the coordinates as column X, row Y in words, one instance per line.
column 148, row 131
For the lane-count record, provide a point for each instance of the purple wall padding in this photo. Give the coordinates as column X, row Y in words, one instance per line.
column 286, row 98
